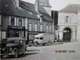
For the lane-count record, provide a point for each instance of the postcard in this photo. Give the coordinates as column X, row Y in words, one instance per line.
column 40, row 29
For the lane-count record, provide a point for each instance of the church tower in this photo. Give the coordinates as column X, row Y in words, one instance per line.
column 45, row 4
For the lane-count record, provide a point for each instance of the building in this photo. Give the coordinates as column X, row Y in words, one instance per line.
column 45, row 23
column 23, row 19
column 44, row 11
column 69, row 23
column 0, row 21
column 0, row 27
column 14, row 19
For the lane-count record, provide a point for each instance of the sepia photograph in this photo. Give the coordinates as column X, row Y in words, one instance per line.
column 39, row 29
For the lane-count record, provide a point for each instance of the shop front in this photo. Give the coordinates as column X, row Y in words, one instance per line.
column 15, row 31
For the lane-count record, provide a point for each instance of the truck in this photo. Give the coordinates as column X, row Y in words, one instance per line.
column 43, row 38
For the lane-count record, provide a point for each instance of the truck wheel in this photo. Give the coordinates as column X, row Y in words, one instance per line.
column 36, row 44
column 49, row 43
column 16, row 54
column 1, row 56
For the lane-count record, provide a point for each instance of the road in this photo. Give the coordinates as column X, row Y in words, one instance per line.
column 54, row 52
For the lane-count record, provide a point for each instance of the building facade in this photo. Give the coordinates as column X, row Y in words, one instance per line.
column 42, row 25
column 20, row 19
column 14, row 19
column 68, row 23
column 0, row 27
column 67, row 26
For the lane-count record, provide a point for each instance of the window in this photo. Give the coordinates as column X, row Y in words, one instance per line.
column 50, row 27
column 0, row 19
column 41, row 29
column 12, row 21
column 30, row 27
column 16, row 33
column 47, row 28
column 20, row 22
column 21, row 33
column 37, row 38
column 36, row 29
column 68, row 19
column 3, row 34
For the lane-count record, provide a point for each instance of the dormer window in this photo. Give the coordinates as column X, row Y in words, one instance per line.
column 16, row 3
column 6, row 5
column 30, row 13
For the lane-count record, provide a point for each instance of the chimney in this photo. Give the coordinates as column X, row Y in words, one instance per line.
column 37, row 6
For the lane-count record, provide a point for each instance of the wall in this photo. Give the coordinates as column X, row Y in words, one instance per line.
column 33, row 22
column 5, row 22
column 71, row 24
column 78, row 27
column 62, row 18
column 73, row 31
column 0, row 27
column 43, row 23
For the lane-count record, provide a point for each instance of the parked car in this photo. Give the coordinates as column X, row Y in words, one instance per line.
column 13, row 46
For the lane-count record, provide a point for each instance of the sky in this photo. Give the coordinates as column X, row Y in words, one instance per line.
column 58, row 4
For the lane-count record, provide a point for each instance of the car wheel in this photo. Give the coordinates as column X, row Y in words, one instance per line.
column 16, row 53
column 30, row 43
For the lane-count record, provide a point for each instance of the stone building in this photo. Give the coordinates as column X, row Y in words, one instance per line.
column 69, row 23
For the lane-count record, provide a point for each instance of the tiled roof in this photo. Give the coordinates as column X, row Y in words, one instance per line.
column 7, row 7
column 31, row 7
column 26, row 10
column 28, row 6
column 43, row 11
column 71, row 8
column 47, row 18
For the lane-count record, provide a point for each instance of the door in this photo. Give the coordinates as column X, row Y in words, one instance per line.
column 67, row 35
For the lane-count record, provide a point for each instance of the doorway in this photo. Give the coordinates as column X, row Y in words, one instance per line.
column 67, row 35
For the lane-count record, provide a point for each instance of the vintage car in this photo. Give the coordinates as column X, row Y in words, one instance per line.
column 13, row 46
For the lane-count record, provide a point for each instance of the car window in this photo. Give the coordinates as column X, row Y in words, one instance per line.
column 21, row 42
column 41, row 38
column 12, row 41
column 37, row 38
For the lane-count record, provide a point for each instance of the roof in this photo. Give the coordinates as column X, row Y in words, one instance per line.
column 47, row 18
column 28, row 6
column 31, row 7
column 72, row 8
column 8, row 8
column 42, row 10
